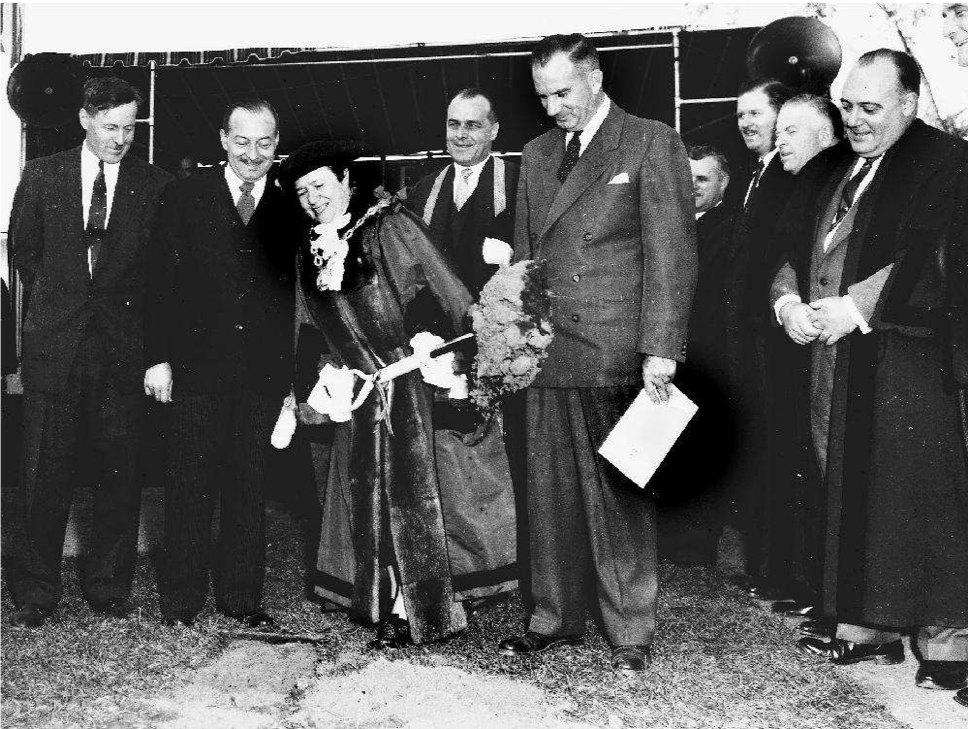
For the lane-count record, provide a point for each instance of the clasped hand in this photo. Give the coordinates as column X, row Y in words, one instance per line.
column 827, row 319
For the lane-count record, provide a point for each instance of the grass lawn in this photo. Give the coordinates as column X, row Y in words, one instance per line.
column 719, row 660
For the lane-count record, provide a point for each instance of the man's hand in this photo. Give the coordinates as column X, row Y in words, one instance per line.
column 158, row 382
column 657, row 373
column 833, row 318
column 797, row 319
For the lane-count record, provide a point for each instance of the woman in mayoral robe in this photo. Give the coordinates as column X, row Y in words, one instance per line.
column 385, row 552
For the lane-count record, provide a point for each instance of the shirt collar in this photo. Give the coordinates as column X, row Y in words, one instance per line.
column 768, row 157
column 235, row 183
column 594, row 123
column 90, row 163
column 699, row 215
column 475, row 168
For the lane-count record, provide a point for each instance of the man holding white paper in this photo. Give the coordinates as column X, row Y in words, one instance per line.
column 606, row 199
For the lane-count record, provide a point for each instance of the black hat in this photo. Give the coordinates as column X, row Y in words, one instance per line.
column 334, row 153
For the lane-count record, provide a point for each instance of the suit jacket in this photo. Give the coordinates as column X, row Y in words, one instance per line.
column 461, row 233
column 707, row 322
column 49, row 248
column 221, row 293
column 619, row 238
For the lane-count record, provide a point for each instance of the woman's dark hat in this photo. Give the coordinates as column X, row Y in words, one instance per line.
column 313, row 155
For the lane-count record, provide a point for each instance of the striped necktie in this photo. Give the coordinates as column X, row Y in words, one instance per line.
column 246, row 203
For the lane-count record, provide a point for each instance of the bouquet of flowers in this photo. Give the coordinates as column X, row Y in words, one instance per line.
column 513, row 332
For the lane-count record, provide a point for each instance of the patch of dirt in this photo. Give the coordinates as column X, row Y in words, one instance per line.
column 251, row 685
column 403, row 694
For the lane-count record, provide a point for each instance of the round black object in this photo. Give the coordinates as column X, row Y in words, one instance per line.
column 801, row 52
column 44, row 90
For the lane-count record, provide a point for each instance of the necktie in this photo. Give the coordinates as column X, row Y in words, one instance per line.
column 246, row 203
column 97, row 215
column 463, row 187
column 572, row 152
column 850, row 192
column 754, row 182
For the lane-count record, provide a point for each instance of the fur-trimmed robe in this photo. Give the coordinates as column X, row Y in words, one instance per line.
column 383, row 500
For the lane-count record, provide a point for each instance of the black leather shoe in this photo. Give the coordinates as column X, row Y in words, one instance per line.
column 818, row 627
column 256, row 619
column 117, row 608
column 29, row 616
column 944, row 675
column 792, row 607
column 962, row 697
column 532, row 642
column 392, row 633
column 631, row 659
column 178, row 620
column 844, row 653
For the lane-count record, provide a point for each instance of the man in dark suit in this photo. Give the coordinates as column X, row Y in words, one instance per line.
column 78, row 233
column 750, row 339
column 690, row 488
column 220, row 340
column 606, row 199
column 469, row 208
column 873, row 259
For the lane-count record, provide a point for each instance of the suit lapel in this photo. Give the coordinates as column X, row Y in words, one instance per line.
column 590, row 166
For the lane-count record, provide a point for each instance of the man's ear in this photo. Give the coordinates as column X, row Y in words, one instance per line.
column 909, row 104
column 85, row 119
column 224, row 139
column 595, row 78
column 494, row 130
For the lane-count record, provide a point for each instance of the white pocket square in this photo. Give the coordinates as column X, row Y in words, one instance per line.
column 622, row 178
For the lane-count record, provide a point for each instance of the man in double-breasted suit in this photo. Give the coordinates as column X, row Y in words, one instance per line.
column 220, row 343
column 78, row 233
column 606, row 199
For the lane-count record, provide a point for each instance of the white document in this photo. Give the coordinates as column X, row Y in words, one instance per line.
column 643, row 436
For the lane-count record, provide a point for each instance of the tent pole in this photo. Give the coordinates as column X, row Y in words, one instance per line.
column 675, row 62
column 151, row 113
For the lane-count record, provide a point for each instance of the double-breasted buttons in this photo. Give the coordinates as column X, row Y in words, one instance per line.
column 239, row 327
column 586, row 236
column 576, row 278
column 575, row 317
column 824, row 280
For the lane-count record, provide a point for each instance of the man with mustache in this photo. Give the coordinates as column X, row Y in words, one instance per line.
column 220, row 346
column 77, row 234
column 870, row 287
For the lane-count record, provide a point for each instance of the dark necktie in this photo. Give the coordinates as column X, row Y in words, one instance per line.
column 754, row 182
column 246, row 203
column 572, row 152
column 97, row 215
column 850, row 192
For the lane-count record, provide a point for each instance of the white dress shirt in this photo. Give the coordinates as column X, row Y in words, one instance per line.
column 472, row 179
column 585, row 135
column 235, row 186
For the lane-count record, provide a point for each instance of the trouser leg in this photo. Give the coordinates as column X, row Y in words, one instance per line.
column 115, row 423
column 195, row 457
column 620, row 522
column 240, row 573
column 50, row 432
column 560, row 559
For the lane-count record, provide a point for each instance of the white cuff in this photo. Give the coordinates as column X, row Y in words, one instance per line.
column 783, row 301
column 855, row 315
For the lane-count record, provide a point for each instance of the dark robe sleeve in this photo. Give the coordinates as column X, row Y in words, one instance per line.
column 413, row 264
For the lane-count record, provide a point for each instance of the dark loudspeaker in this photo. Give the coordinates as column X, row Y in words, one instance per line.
column 801, row 52
column 44, row 90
